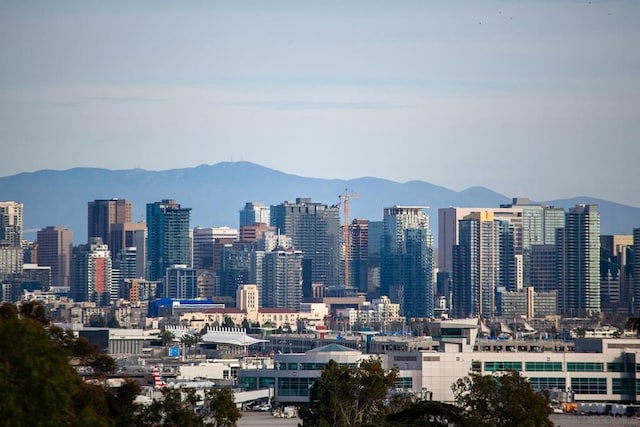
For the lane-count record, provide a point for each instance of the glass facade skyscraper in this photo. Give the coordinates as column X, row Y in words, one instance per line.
column 578, row 262
column 407, row 260
column 168, row 237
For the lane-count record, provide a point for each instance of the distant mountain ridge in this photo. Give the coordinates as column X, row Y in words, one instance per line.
column 217, row 192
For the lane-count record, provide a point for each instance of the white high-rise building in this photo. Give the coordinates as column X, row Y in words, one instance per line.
column 11, row 223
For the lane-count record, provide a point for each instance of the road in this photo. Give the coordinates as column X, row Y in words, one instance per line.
column 262, row 419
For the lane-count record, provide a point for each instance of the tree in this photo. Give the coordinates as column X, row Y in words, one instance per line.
column 426, row 413
column 347, row 396
column 228, row 322
column 97, row 321
column 39, row 385
column 177, row 408
column 502, row 400
column 222, row 407
column 166, row 337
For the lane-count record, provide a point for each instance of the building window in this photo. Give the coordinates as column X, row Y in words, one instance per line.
column 294, row 386
column 502, row 366
column 476, row 366
column 615, row 367
column 547, row 383
column 589, row 385
column 404, row 383
column 585, row 367
column 544, row 366
column 624, row 386
column 266, row 382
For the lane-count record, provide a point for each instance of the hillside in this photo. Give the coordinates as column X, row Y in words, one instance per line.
column 217, row 192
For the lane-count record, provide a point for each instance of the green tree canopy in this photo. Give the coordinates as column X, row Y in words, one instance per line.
column 506, row 400
column 39, row 385
column 222, row 409
column 347, row 396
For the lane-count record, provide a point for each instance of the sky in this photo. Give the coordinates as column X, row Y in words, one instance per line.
column 534, row 98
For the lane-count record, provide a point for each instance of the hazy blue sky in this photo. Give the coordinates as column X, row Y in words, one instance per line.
column 529, row 98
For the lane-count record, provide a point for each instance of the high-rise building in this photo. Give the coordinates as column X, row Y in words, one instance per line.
column 407, row 260
column 167, row 237
column 449, row 218
column 54, row 250
column 235, row 269
column 127, row 235
column 578, row 262
column 102, row 214
column 616, row 275
column 92, row 278
column 180, row 282
column 359, row 254
column 281, row 279
column 314, row 229
column 543, row 268
column 11, row 260
column 207, row 246
column 254, row 213
column 11, row 223
column 476, row 266
column 636, row 271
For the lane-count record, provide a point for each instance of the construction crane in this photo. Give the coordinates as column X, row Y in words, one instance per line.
column 344, row 201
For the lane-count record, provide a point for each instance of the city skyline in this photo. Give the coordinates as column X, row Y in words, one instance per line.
column 512, row 97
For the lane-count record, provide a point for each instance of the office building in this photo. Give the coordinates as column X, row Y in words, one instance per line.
column 254, row 213
column 11, row 223
column 128, row 235
column 11, row 260
column 167, row 237
column 92, row 273
column 636, row 271
column 314, row 229
column 476, row 265
column 578, row 262
column 180, row 282
column 543, row 268
column 207, row 246
column 616, row 274
column 407, row 260
column 102, row 214
column 448, row 221
column 278, row 277
column 54, row 250
column 358, row 258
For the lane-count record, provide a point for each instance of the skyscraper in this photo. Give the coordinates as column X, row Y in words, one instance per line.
column 254, row 213
column 359, row 254
column 168, row 237
column 92, row 273
column 180, row 282
column 578, row 262
column 636, row 271
column 11, row 223
column 616, row 275
column 407, row 259
column 54, row 250
column 281, row 279
column 476, row 265
column 102, row 214
column 314, row 229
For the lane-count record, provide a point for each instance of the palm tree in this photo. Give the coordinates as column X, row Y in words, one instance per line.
column 166, row 337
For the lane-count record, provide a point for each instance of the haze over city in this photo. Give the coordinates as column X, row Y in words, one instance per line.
column 530, row 98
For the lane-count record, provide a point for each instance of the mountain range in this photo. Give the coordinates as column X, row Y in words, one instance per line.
column 217, row 192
